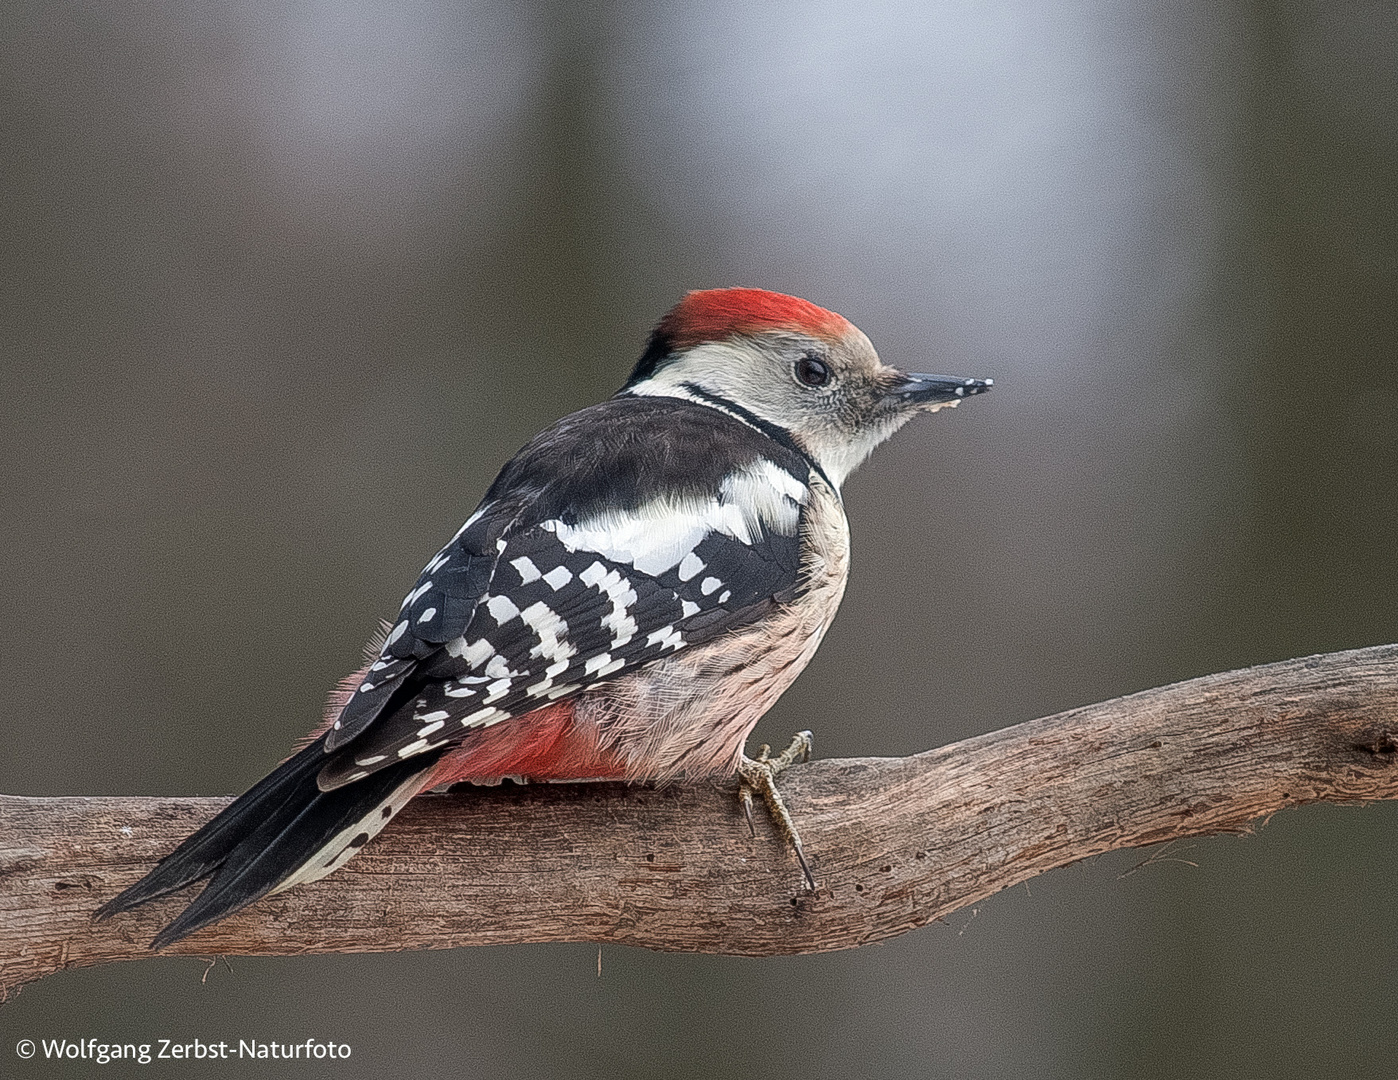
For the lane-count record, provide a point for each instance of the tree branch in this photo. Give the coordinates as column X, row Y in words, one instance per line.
column 895, row 842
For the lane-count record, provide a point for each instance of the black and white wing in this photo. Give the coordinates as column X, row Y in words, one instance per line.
column 590, row 556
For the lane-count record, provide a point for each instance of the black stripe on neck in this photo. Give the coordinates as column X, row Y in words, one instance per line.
column 777, row 434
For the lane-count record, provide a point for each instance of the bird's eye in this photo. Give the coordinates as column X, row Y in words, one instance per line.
column 812, row 372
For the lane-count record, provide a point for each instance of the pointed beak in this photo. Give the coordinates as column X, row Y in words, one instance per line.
column 922, row 391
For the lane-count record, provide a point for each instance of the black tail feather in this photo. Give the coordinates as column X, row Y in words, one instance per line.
column 205, row 850
column 261, row 839
column 280, row 846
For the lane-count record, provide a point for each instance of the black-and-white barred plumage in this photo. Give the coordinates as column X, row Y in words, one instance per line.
column 628, row 530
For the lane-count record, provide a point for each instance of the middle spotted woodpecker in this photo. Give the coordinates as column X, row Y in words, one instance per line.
column 640, row 584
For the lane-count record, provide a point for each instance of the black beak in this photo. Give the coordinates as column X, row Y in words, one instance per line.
column 933, row 389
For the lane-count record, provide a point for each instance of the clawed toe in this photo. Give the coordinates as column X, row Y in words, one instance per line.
column 760, row 774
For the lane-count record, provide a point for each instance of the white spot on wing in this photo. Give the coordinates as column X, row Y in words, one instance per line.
column 475, row 654
column 690, row 565
column 558, row 577
column 427, row 615
column 550, row 673
column 667, row 637
column 417, row 592
column 527, row 570
column 483, row 717
column 545, row 622
column 502, row 608
column 620, row 592
column 709, row 584
column 603, row 664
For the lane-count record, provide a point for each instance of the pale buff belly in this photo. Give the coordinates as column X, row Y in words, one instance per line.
column 690, row 714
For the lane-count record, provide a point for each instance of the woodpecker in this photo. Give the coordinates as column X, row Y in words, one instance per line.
column 639, row 585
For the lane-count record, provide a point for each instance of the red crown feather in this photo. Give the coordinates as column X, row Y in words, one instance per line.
column 714, row 314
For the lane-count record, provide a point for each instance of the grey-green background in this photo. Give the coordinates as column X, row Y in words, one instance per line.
column 285, row 283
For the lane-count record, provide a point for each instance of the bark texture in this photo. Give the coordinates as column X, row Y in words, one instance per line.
column 895, row 842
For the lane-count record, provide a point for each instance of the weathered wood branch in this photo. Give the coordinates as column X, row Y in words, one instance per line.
column 896, row 842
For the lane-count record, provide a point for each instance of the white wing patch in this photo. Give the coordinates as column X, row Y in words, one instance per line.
column 769, row 496
column 662, row 534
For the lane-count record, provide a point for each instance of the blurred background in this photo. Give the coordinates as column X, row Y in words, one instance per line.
column 285, row 283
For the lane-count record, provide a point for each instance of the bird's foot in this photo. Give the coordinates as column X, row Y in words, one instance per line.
column 759, row 775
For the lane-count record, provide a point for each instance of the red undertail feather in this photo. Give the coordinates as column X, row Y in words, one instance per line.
column 541, row 745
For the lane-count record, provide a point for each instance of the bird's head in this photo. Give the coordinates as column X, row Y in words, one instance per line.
column 794, row 369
